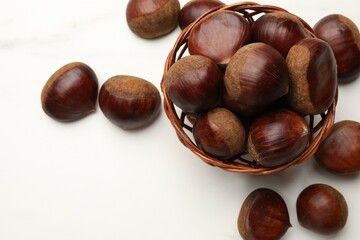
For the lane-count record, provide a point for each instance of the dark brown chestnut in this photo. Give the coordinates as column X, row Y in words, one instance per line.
column 313, row 77
column 344, row 38
column 219, row 35
column 277, row 137
column 194, row 84
column 256, row 75
column 280, row 30
column 263, row 216
column 70, row 93
column 152, row 18
column 321, row 209
column 340, row 150
column 193, row 9
column 219, row 133
column 129, row 102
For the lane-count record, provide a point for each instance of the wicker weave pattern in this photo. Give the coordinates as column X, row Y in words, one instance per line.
column 320, row 125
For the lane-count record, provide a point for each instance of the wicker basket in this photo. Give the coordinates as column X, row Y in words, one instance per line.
column 320, row 125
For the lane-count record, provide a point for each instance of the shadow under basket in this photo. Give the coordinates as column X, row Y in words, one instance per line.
column 320, row 125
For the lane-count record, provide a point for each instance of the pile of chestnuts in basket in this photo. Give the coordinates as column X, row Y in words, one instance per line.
column 249, row 86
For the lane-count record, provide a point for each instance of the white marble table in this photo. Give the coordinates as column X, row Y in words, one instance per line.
column 89, row 180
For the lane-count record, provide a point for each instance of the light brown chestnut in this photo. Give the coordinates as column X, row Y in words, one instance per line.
column 219, row 133
column 280, row 30
column 219, row 35
column 340, row 150
column 129, row 102
column 256, row 75
column 344, row 38
column 263, row 216
column 322, row 209
column 70, row 93
column 194, row 84
column 152, row 18
column 193, row 9
column 277, row 137
column 313, row 77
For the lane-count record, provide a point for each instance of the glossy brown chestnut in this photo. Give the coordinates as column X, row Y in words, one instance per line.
column 340, row 151
column 193, row 9
column 219, row 35
column 194, row 84
column 280, row 30
column 129, row 102
column 256, row 75
column 219, row 133
column 277, row 137
column 70, row 93
column 313, row 77
column 263, row 216
column 322, row 209
column 344, row 38
column 152, row 18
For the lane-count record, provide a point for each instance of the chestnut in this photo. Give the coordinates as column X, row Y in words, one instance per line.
column 70, row 93
column 344, row 38
column 219, row 35
column 152, row 18
column 321, row 209
column 256, row 75
column 219, row 133
column 281, row 30
column 193, row 9
column 263, row 215
column 194, row 83
column 277, row 137
column 129, row 102
column 340, row 150
column 313, row 77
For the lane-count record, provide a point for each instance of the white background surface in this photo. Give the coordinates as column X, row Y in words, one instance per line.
column 90, row 180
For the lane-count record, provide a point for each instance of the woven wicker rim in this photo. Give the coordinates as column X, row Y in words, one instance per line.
column 318, row 131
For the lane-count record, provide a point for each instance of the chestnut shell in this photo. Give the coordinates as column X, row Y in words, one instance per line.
column 263, row 215
column 219, row 133
column 129, row 102
column 70, row 93
column 313, row 76
column 277, row 137
column 219, row 35
column 256, row 75
column 344, row 38
column 322, row 209
column 194, row 84
column 152, row 18
column 339, row 152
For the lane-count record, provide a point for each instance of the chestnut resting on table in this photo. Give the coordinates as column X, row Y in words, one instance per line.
column 344, row 38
